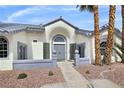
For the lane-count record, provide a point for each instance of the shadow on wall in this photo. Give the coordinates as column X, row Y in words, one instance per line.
column 59, row 30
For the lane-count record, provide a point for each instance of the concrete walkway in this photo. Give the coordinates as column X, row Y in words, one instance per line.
column 73, row 78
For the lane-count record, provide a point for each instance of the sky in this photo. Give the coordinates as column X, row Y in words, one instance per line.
column 45, row 13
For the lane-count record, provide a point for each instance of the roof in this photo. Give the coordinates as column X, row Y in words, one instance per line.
column 15, row 27
column 116, row 30
column 60, row 19
column 85, row 32
column 102, row 28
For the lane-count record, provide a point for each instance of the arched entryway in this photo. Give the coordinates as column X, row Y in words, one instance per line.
column 59, row 44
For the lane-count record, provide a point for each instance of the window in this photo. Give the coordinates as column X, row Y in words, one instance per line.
column 3, row 47
column 81, row 48
column 21, row 51
column 102, row 47
column 34, row 40
column 59, row 39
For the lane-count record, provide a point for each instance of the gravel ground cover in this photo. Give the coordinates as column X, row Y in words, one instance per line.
column 113, row 72
column 35, row 78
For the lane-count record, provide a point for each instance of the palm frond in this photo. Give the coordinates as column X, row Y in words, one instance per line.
column 118, row 46
column 118, row 53
column 85, row 8
column 118, row 49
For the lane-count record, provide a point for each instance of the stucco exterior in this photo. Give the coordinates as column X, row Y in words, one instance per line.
column 34, row 42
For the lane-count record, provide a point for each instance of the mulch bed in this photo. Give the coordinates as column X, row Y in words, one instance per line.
column 35, row 79
column 115, row 74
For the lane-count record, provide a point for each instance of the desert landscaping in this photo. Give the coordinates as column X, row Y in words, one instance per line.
column 35, row 78
column 113, row 72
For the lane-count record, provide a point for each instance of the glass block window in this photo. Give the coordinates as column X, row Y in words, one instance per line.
column 3, row 47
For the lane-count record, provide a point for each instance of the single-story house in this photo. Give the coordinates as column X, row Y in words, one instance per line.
column 36, row 42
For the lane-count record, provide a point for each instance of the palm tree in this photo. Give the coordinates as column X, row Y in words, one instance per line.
column 94, row 10
column 122, row 14
column 109, row 46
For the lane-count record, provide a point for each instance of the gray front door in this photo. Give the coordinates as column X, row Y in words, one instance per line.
column 60, row 51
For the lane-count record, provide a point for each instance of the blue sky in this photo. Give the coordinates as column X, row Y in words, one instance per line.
column 45, row 13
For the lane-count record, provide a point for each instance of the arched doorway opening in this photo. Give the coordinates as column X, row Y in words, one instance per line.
column 59, row 44
column 102, row 47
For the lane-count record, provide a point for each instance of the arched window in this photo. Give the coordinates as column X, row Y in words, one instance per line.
column 59, row 39
column 3, row 47
column 102, row 47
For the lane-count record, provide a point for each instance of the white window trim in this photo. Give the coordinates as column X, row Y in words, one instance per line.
column 59, row 43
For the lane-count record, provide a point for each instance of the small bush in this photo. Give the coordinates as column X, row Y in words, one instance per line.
column 87, row 72
column 109, row 68
column 50, row 73
column 22, row 76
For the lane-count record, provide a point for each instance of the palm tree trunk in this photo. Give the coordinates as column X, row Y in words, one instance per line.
column 122, row 13
column 97, row 39
column 108, row 50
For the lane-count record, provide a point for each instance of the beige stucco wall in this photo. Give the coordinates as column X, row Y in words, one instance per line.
column 58, row 28
column 37, row 50
column 18, row 37
column 26, row 38
column 6, row 64
column 39, row 36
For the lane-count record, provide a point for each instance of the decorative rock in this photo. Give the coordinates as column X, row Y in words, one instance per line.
column 76, row 52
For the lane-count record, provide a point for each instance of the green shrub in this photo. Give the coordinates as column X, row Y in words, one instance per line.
column 50, row 73
column 22, row 76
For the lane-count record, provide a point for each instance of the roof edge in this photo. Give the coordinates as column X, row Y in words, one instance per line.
column 60, row 19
